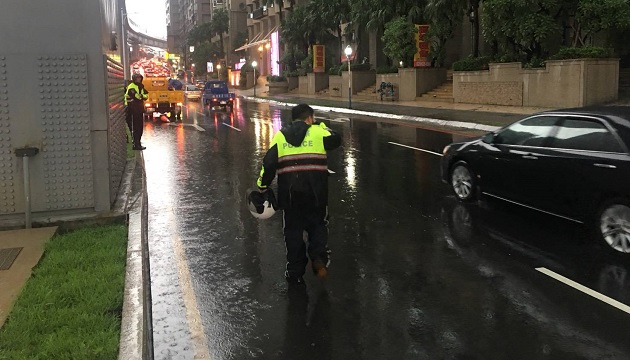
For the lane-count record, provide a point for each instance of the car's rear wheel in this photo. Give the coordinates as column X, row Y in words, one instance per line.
column 463, row 181
column 614, row 225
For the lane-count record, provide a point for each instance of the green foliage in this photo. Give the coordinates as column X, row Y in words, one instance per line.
column 247, row 67
column 527, row 26
column 594, row 16
column 334, row 70
column 582, row 53
column 276, row 78
column 355, row 67
column 292, row 57
column 387, row 70
column 307, row 63
column 535, row 63
column 289, row 74
column 204, row 53
column 444, row 17
column 399, row 40
column 472, row 64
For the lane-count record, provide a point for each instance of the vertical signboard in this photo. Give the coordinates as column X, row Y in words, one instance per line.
column 421, row 58
column 210, row 66
column 319, row 58
column 275, row 53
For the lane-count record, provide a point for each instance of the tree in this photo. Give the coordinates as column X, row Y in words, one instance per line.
column 399, row 40
column 444, row 17
column 594, row 16
column 220, row 25
column 523, row 26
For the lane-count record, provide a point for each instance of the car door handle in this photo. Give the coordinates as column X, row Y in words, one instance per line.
column 531, row 157
column 607, row 166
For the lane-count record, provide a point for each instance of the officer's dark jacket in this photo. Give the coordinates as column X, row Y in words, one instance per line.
column 298, row 156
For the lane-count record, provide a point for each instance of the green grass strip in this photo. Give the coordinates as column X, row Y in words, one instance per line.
column 71, row 308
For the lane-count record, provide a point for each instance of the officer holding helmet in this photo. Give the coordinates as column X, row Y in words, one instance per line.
column 298, row 154
column 135, row 95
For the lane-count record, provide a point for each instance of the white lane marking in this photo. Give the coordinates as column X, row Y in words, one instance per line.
column 321, row 117
column 198, row 127
column 331, row 172
column 415, row 148
column 340, row 119
column 584, row 289
column 200, row 113
column 193, row 315
column 230, row 126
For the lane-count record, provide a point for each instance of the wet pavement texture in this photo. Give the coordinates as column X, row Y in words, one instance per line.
column 414, row 275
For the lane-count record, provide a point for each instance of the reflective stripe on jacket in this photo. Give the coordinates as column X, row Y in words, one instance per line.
column 137, row 96
column 301, row 168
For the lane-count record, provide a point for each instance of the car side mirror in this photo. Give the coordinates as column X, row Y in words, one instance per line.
column 488, row 138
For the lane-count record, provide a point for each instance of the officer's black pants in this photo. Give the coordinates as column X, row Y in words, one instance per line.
column 302, row 215
column 135, row 121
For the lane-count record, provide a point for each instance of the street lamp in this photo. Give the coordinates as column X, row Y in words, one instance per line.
column 348, row 52
column 219, row 71
column 254, row 64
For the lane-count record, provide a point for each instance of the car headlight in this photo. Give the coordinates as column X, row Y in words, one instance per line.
column 446, row 148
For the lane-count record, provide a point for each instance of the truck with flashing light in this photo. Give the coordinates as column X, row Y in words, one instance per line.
column 217, row 94
column 163, row 100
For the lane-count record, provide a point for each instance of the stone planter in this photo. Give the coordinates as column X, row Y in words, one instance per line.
column 278, row 87
column 293, row 82
column 562, row 83
column 303, row 85
column 334, row 85
column 316, row 82
column 415, row 82
column 360, row 81
column 249, row 76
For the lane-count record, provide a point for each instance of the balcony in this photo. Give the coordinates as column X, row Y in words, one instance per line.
column 258, row 13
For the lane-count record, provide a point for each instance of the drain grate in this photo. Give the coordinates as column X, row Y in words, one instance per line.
column 7, row 257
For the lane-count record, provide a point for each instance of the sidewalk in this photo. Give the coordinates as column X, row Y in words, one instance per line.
column 453, row 115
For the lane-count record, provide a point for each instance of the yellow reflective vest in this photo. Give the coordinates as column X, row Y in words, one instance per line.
column 137, row 97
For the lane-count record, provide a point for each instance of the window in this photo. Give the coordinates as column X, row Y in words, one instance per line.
column 585, row 134
column 529, row 132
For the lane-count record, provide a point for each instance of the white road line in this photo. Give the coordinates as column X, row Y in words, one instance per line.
column 331, row 172
column 340, row 119
column 584, row 289
column 200, row 113
column 230, row 126
column 198, row 127
column 415, row 148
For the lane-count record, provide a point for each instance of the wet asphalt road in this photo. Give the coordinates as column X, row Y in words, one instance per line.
column 414, row 273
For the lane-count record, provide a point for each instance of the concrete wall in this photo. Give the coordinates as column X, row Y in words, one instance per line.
column 317, row 82
column 360, row 81
column 303, row 85
column 293, row 82
column 334, row 85
column 562, row 83
column 54, row 74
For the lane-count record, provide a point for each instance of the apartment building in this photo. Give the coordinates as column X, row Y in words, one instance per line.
column 184, row 15
column 263, row 28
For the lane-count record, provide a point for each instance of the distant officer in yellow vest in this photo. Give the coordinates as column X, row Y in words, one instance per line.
column 135, row 94
column 298, row 155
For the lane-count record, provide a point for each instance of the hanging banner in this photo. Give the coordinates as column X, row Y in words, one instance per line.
column 319, row 58
column 421, row 57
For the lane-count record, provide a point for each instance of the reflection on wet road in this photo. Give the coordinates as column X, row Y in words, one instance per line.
column 414, row 274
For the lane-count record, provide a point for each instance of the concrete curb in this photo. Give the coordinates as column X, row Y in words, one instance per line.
column 457, row 124
column 131, row 330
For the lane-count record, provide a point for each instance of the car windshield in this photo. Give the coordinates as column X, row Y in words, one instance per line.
column 191, row 88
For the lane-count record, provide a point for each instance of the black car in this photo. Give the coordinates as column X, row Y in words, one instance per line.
column 571, row 163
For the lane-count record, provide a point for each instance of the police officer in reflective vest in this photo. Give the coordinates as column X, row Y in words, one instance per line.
column 298, row 155
column 134, row 101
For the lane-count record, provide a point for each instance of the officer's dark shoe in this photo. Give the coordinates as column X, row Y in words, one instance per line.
column 320, row 269
column 294, row 280
column 139, row 147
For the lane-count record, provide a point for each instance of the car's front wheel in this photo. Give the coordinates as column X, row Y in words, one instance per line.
column 463, row 181
column 614, row 225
